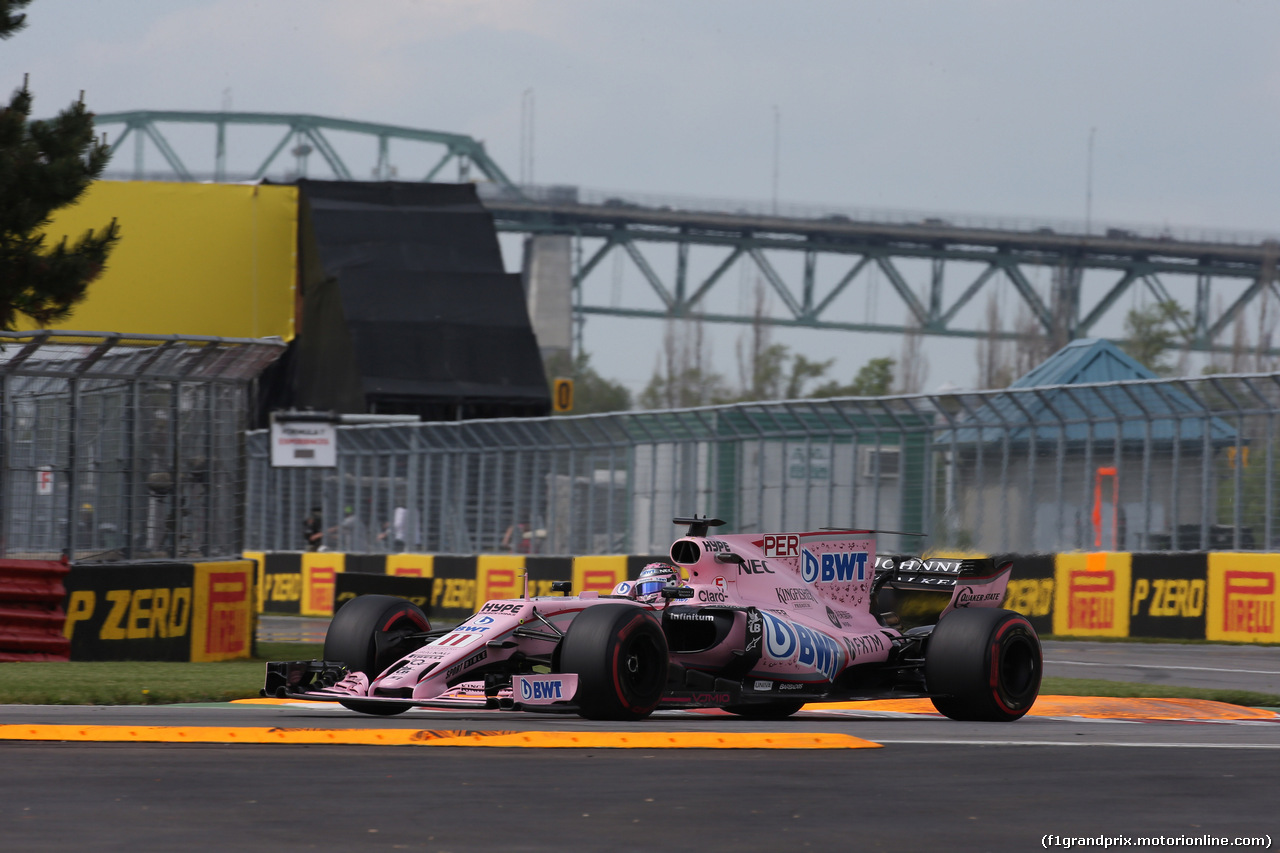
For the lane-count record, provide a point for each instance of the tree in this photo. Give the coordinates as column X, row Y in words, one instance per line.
column 10, row 21
column 44, row 166
column 914, row 364
column 763, row 370
column 802, row 370
column 1150, row 332
column 994, row 368
column 683, row 377
column 873, row 379
column 592, row 393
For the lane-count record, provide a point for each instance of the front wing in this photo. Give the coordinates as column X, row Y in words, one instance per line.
column 322, row 681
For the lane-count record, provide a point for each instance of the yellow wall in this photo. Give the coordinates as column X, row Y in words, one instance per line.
column 193, row 259
column 1244, row 594
column 1092, row 594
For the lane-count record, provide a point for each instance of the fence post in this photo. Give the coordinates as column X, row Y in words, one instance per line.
column 73, row 479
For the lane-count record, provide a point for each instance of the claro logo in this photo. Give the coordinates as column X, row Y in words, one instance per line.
column 133, row 614
column 1248, row 603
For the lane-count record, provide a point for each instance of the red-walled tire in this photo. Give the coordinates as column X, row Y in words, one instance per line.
column 619, row 654
column 983, row 665
column 369, row 633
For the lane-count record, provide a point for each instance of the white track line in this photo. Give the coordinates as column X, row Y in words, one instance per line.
column 1161, row 666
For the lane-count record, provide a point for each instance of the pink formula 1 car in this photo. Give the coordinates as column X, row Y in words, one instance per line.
column 763, row 625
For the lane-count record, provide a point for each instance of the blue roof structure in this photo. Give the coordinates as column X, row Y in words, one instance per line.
column 1085, row 391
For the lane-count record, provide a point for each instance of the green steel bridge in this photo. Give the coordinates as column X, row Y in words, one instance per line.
column 934, row 265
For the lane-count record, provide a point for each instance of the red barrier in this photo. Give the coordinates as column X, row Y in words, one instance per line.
column 31, row 614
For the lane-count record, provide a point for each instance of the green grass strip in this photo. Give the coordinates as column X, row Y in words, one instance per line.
column 1133, row 690
column 141, row 682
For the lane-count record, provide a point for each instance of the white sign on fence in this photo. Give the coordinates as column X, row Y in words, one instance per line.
column 44, row 480
column 304, row 444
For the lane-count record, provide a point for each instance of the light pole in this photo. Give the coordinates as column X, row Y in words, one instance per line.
column 777, row 141
column 1088, row 185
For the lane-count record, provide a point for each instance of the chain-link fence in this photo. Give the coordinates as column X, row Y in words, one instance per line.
column 123, row 447
column 1183, row 464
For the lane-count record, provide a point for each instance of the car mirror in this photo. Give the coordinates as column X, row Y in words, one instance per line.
column 670, row 592
column 729, row 558
column 562, row 587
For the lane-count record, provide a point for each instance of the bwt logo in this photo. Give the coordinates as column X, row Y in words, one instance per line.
column 786, row 640
column 535, row 690
column 833, row 567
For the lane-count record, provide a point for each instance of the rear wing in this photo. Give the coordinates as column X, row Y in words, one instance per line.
column 934, row 573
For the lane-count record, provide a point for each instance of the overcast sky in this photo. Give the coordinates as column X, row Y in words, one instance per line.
column 982, row 107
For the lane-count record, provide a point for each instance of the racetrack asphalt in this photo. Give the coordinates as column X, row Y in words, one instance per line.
column 1072, row 768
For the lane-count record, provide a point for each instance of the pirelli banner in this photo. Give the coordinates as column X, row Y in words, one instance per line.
column 308, row 584
column 1242, row 598
column 1224, row 597
column 161, row 611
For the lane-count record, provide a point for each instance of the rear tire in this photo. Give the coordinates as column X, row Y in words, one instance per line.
column 619, row 654
column 983, row 665
column 766, row 710
column 369, row 633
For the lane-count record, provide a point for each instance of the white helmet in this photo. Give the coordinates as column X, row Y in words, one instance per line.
column 653, row 579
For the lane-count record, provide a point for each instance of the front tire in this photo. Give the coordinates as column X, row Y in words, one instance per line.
column 619, row 654
column 369, row 633
column 983, row 665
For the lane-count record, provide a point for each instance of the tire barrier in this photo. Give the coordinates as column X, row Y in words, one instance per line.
column 1217, row 596
column 161, row 611
column 31, row 614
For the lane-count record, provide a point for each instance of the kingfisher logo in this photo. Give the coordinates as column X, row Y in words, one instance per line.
column 828, row 568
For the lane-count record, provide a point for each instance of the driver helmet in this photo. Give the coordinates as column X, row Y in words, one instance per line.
column 653, row 579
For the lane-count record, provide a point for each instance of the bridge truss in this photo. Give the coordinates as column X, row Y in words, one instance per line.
column 308, row 134
column 934, row 266
column 1216, row 277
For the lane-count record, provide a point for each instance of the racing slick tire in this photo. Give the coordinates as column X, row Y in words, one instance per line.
column 983, row 665
column 368, row 634
column 766, row 710
column 619, row 654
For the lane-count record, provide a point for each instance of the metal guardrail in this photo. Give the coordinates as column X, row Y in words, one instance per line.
column 1182, row 464
column 123, row 447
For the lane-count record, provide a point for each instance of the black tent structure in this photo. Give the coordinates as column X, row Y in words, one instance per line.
column 404, row 308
